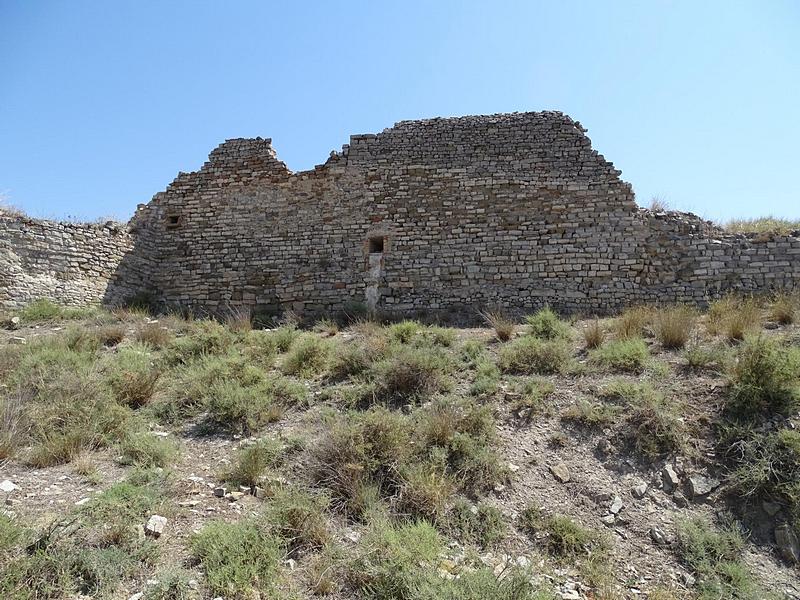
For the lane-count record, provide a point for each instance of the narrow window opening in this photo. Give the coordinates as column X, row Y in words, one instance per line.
column 173, row 221
column 376, row 245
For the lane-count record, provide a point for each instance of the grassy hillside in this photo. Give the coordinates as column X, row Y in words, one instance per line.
column 655, row 454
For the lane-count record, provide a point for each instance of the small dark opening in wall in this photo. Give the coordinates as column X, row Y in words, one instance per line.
column 173, row 221
column 376, row 245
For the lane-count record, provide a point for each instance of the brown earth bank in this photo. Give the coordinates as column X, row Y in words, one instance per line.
column 655, row 454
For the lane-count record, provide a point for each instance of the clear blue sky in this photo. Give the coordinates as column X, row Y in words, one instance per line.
column 102, row 103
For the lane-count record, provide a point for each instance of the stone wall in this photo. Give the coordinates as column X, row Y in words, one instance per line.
column 449, row 215
column 70, row 263
column 454, row 215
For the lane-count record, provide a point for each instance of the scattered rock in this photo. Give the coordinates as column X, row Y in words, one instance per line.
column 155, row 526
column 513, row 468
column 21, row 341
column 658, row 536
column 137, row 596
column 245, row 489
column 560, row 472
column 259, row 492
column 189, row 503
column 234, row 496
column 616, row 505
column 82, row 501
column 700, row 486
column 8, row 486
column 788, row 544
column 669, row 478
column 220, row 491
column 639, row 491
column 608, row 519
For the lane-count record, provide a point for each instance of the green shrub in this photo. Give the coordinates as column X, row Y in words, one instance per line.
column 365, row 451
column 260, row 348
column 240, row 560
column 487, row 379
column 530, row 355
column 284, row 336
column 592, row 414
column 766, row 466
column 12, row 424
column 563, row 537
column 205, row 338
column 627, row 355
column 170, row 584
column 144, row 449
column 387, row 563
column 349, row 360
column 133, row 376
column 715, row 557
column 649, row 422
column 70, row 412
column 459, row 435
column 411, row 374
column 764, row 379
column 298, row 518
column 480, row 524
column 674, row 325
column 546, row 325
column 404, row 332
column 424, row 491
column 308, row 357
column 252, row 461
column 700, row 357
column 481, row 584
column 11, row 533
column 247, row 408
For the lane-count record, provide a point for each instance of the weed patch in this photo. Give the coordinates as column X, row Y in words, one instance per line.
column 240, row 560
column 627, row 355
column 530, row 355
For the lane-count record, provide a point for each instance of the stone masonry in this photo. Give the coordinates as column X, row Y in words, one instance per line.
column 68, row 262
column 443, row 216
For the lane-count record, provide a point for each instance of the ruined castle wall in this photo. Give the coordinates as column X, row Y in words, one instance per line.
column 449, row 215
column 70, row 263
column 506, row 211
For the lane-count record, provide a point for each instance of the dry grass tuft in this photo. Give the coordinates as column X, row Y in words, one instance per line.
column 594, row 335
column 632, row 322
column 733, row 318
column 658, row 204
column 503, row 325
column 783, row 309
column 673, row 326
column 154, row 335
column 239, row 319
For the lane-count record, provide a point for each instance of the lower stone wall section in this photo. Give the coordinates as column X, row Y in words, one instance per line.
column 69, row 263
